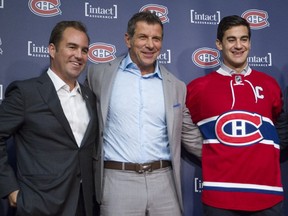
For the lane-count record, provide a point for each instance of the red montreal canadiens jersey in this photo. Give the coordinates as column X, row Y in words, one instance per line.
column 240, row 158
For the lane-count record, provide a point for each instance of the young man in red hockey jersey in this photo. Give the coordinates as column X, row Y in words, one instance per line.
column 235, row 108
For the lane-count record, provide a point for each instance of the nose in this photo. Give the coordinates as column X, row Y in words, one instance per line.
column 149, row 43
column 238, row 44
column 78, row 53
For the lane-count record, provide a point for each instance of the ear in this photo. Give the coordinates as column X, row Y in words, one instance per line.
column 127, row 40
column 218, row 44
column 52, row 50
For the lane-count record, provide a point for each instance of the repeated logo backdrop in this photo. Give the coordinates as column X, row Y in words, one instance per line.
column 189, row 49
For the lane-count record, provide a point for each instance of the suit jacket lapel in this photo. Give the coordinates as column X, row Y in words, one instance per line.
column 107, row 85
column 49, row 95
column 168, row 99
column 92, row 114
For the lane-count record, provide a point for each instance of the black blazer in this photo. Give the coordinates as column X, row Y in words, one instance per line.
column 282, row 122
column 50, row 164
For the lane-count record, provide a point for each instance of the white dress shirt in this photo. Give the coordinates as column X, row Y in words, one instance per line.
column 136, row 127
column 73, row 105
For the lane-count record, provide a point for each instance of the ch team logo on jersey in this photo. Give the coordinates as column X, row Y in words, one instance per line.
column 101, row 52
column 160, row 10
column 238, row 128
column 206, row 57
column 47, row 8
column 258, row 19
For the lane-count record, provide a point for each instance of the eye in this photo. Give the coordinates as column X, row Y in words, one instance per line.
column 245, row 39
column 72, row 47
column 85, row 51
column 142, row 37
column 157, row 39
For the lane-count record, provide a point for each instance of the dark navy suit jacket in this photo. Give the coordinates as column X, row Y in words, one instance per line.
column 50, row 165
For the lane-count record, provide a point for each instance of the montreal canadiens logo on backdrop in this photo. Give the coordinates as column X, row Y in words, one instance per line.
column 238, row 128
column 47, row 8
column 206, row 57
column 258, row 19
column 101, row 52
column 160, row 10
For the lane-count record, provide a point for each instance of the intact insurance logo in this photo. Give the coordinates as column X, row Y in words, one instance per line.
column 258, row 19
column 198, row 185
column 206, row 57
column 160, row 10
column 1, row 93
column 1, row 3
column 101, row 12
column 101, row 52
column 1, row 51
column 201, row 18
column 45, row 8
column 35, row 50
column 165, row 57
column 261, row 61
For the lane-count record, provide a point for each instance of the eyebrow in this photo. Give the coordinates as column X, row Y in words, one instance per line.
column 234, row 37
column 74, row 44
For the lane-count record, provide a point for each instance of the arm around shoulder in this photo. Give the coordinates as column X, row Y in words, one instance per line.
column 282, row 129
column 192, row 139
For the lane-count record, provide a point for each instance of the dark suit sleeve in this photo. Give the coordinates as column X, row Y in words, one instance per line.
column 282, row 122
column 282, row 129
column 11, row 118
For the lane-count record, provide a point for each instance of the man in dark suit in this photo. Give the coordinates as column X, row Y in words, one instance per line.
column 144, row 122
column 53, row 121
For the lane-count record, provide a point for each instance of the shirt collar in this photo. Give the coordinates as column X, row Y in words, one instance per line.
column 231, row 71
column 60, row 84
column 127, row 65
